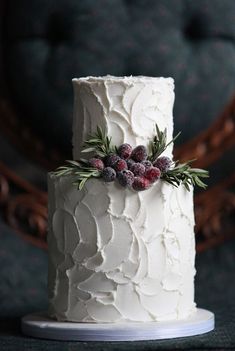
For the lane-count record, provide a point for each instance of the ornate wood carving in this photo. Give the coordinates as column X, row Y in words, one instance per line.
column 24, row 207
column 211, row 144
column 215, row 214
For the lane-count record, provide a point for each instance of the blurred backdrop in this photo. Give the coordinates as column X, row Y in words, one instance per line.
column 46, row 43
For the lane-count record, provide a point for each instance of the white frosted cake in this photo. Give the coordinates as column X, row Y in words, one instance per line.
column 115, row 254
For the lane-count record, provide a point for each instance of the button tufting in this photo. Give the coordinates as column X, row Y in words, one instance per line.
column 58, row 29
column 195, row 29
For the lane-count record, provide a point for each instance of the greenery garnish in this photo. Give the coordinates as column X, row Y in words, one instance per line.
column 183, row 173
column 80, row 170
column 99, row 143
column 159, row 144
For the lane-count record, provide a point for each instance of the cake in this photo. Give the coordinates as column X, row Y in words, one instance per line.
column 117, row 255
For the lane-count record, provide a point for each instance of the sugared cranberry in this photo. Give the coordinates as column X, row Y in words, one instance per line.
column 140, row 183
column 126, row 178
column 138, row 169
column 108, row 174
column 120, row 165
column 111, row 159
column 124, row 151
column 163, row 163
column 152, row 174
column 96, row 163
column 147, row 164
column 139, row 153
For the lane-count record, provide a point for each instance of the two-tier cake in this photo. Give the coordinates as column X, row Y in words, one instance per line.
column 116, row 254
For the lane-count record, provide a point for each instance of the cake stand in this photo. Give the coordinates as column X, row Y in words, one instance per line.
column 39, row 325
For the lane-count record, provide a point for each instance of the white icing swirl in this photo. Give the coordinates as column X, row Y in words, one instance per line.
column 131, row 259
column 126, row 107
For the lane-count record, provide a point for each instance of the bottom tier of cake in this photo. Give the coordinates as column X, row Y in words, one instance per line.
column 116, row 255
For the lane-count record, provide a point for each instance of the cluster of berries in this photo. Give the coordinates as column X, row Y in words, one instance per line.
column 131, row 167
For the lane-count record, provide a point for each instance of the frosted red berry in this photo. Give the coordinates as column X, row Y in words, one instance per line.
column 108, row 174
column 124, row 151
column 120, row 165
column 126, row 178
column 152, row 174
column 139, row 153
column 163, row 163
column 96, row 163
column 140, row 183
column 147, row 164
column 111, row 159
column 138, row 169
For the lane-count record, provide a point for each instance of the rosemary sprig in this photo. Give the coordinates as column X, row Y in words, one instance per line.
column 159, row 144
column 80, row 170
column 99, row 143
column 183, row 173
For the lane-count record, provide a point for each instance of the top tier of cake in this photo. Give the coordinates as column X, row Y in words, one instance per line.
column 127, row 108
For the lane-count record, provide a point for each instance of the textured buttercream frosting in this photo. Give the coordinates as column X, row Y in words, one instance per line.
column 127, row 108
column 117, row 255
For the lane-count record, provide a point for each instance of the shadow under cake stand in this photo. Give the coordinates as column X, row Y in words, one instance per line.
column 39, row 325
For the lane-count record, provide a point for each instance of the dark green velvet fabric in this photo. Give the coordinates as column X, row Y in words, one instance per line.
column 23, row 275
column 48, row 42
column 23, row 290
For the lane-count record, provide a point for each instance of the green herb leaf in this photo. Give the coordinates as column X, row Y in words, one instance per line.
column 158, row 145
column 99, row 143
column 80, row 171
column 185, row 174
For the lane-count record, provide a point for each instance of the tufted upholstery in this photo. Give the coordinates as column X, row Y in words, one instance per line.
column 51, row 41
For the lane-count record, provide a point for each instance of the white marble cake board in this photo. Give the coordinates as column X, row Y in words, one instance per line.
column 39, row 325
